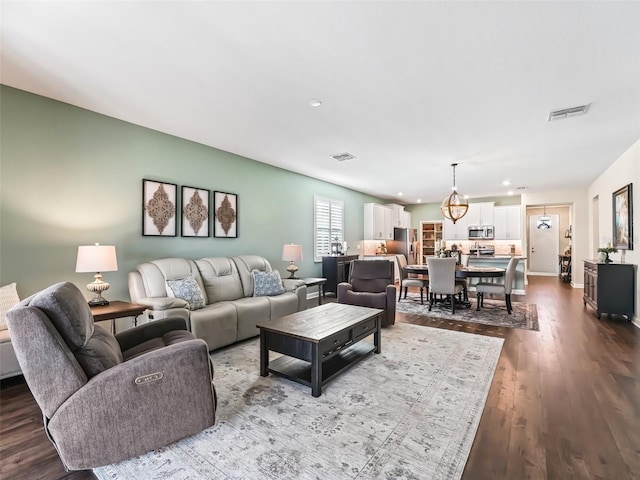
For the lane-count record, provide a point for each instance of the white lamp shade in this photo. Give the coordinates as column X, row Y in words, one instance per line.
column 292, row 253
column 96, row 258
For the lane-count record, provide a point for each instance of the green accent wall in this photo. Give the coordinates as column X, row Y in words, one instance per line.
column 71, row 177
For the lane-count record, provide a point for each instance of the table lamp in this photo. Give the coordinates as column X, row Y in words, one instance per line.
column 97, row 258
column 292, row 253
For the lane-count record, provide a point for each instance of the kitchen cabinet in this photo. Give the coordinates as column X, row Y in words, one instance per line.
column 431, row 234
column 377, row 222
column 397, row 216
column 407, row 219
column 456, row 231
column 507, row 222
column 480, row 213
column 335, row 268
column 610, row 287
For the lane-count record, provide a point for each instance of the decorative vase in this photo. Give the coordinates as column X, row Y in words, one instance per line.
column 606, row 258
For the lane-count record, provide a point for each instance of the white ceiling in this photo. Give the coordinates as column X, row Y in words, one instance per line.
column 406, row 87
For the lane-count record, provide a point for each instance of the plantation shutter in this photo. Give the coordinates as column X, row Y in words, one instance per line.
column 328, row 225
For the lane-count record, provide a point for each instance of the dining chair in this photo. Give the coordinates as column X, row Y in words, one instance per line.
column 442, row 280
column 499, row 288
column 407, row 282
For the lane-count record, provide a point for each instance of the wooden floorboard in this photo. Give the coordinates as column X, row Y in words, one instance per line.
column 564, row 402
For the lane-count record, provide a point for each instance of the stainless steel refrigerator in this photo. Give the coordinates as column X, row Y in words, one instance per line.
column 405, row 241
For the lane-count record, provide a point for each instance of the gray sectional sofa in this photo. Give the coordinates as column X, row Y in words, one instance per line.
column 231, row 310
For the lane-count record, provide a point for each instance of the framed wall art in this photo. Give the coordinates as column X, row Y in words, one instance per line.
column 195, row 212
column 226, row 215
column 623, row 218
column 159, row 208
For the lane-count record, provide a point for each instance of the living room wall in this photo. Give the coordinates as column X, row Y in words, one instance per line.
column 623, row 171
column 71, row 177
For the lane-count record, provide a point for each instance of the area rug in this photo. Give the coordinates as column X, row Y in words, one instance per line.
column 494, row 312
column 410, row 412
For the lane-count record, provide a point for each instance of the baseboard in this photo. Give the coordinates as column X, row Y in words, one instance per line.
column 577, row 285
column 542, row 274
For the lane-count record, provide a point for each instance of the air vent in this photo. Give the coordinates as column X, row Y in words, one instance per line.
column 569, row 112
column 343, row 157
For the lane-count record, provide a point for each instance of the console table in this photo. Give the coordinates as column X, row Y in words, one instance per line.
column 610, row 287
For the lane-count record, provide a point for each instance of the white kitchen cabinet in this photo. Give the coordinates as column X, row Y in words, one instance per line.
column 456, row 231
column 407, row 220
column 480, row 213
column 377, row 222
column 397, row 215
column 507, row 222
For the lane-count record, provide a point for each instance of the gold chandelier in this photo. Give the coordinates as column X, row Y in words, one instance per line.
column 454, row 206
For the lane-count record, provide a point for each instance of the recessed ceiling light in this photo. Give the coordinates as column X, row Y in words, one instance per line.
column 506, row 182
column 510, row 192
column 315, row 102
column 399, row 194
column 419, row 200
column 466, row 196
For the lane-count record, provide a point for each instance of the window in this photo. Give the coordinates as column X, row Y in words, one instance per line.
column 328, row 223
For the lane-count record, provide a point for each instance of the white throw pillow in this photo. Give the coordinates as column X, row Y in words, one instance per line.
column 8, row 298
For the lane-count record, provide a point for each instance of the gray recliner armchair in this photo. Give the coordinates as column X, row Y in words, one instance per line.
column 107, row 398
column 371, row 284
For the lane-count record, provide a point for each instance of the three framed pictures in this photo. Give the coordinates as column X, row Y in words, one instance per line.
column 160, row 211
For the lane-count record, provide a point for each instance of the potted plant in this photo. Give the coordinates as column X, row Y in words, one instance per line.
column 607, row 250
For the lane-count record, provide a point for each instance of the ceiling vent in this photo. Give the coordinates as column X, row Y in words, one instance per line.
column 343, row 157
column 569, row 112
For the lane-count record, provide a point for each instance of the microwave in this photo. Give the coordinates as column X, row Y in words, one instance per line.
column 481, row 232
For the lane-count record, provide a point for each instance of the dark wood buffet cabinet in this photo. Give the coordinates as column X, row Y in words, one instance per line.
column 610, row 287
column 335, row 268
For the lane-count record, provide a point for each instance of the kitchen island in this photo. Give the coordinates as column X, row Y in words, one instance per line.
column 500, row 261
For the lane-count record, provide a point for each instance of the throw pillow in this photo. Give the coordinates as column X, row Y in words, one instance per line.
column 267, row 284
column 8, row 298
column 188, row 289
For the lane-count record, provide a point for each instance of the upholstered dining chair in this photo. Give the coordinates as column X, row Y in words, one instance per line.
column 407, row 282
column 371, row 284
column 107, row 398
column 499, row 288
column 442, row 280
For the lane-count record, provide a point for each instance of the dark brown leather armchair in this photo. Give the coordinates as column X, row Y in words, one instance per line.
column 371, row 284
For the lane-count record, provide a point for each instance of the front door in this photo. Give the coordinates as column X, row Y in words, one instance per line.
column 544, row 244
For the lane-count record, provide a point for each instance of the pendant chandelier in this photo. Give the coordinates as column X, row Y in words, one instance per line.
column 454, row 206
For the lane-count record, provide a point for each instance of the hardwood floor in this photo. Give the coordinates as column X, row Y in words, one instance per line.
column 564, row 402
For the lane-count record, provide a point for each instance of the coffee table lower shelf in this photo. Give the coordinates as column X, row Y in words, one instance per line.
column 300, row 370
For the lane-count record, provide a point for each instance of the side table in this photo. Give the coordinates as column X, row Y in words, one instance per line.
column 117, row 309
column 319, row 282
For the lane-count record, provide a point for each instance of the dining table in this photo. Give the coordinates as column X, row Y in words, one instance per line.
column 462, row 272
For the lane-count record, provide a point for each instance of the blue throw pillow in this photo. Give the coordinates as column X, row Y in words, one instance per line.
column 187, row 289
column 267, row 284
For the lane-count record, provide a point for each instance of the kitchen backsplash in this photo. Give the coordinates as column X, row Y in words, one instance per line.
column 502, row 247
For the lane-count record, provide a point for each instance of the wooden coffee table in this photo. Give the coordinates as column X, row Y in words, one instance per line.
column 319, row 343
